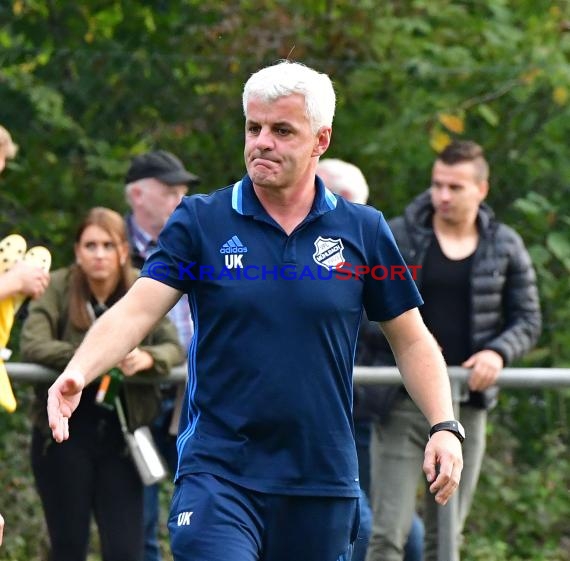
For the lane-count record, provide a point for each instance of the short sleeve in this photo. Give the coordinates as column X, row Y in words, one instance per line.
column 389, row 288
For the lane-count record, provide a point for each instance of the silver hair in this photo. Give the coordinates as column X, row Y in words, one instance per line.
column 287, row 78
column 144, row 183
column 342, row 177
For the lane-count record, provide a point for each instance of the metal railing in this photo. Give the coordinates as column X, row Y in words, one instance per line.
column 448, row 549
column 510, row 377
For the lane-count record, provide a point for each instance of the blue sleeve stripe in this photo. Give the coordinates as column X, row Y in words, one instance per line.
column 192, row 410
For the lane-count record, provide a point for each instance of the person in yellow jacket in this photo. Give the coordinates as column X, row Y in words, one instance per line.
column 21, row 276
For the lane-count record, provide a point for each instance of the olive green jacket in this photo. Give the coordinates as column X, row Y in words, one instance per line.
column 49, row 339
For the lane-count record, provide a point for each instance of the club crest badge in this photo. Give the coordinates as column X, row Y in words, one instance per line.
column 328, row 252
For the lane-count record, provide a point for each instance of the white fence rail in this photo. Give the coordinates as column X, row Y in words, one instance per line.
column 510, row 377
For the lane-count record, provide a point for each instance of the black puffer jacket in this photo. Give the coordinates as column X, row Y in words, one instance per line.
column 505, row 310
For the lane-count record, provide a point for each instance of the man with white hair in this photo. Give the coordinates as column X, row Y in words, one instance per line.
column 344, row 179
column 267, row 462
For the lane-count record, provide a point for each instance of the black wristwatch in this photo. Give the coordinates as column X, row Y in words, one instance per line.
column 452, row 426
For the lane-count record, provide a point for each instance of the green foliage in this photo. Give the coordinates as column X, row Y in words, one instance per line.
column 86, row 85
column 545, row 223
column 522, row 505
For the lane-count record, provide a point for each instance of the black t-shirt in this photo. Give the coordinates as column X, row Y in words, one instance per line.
column 446, row 290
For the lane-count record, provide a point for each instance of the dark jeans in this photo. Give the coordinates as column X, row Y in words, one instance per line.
column 81, row 477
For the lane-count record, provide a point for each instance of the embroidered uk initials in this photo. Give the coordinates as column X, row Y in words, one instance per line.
column 184, row 518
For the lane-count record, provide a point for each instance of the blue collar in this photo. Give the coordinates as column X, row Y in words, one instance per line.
column 246, row 203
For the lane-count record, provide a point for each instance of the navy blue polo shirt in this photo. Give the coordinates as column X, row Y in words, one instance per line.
column 276, row 317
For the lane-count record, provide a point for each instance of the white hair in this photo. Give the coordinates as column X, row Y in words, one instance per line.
column 7, row 145
column 287, row 78
column 344, row 179
column 144, row 183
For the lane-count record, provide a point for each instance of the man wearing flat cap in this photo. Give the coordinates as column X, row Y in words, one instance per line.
column 155, row 184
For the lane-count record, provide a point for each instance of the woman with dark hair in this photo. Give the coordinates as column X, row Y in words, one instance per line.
column 92, row 473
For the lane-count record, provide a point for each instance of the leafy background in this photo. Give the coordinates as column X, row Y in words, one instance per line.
column 85, row 85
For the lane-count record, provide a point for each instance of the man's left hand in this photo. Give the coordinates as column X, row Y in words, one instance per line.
column 485, row 368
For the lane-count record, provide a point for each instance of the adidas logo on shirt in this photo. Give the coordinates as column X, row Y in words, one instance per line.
column 233, row 245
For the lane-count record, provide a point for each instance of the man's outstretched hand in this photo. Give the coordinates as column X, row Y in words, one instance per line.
column 63, row 398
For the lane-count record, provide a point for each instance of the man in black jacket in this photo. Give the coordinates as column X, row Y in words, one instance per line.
column 481, row 304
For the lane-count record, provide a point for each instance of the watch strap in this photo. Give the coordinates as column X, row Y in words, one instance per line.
column 452, row 426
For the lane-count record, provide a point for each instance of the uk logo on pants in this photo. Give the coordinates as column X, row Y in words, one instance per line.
column 184, row 518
